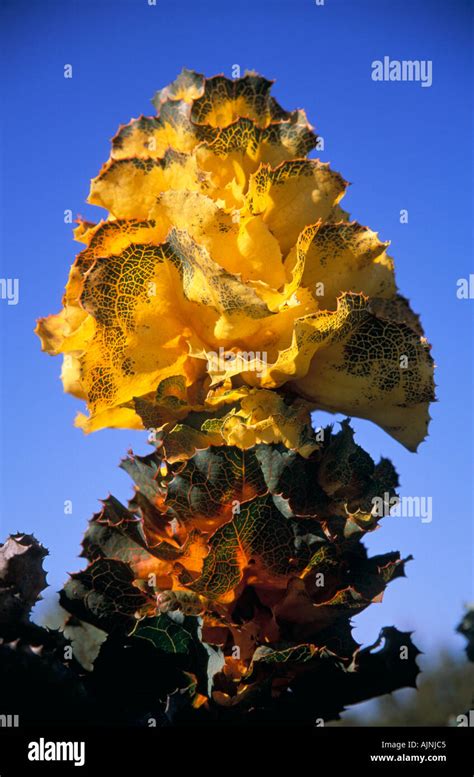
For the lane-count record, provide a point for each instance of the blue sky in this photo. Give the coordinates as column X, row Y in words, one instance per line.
column 401, row 145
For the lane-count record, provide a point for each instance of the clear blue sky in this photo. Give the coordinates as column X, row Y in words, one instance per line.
column 401, row 146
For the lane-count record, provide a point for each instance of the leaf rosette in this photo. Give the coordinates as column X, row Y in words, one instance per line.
column 227, row 294
column 245, row 568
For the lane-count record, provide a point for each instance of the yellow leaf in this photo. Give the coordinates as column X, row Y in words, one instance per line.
column 343, row 257
column 372, row 368
column 292, row 195
column 224, row 101
column 128, row 187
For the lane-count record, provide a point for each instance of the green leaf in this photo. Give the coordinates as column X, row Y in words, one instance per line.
column 104, row 595
column 213, row 479
column 167, row 635
column 259, row 541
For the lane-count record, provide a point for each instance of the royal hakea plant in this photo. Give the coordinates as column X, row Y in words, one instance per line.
column 226, row 296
